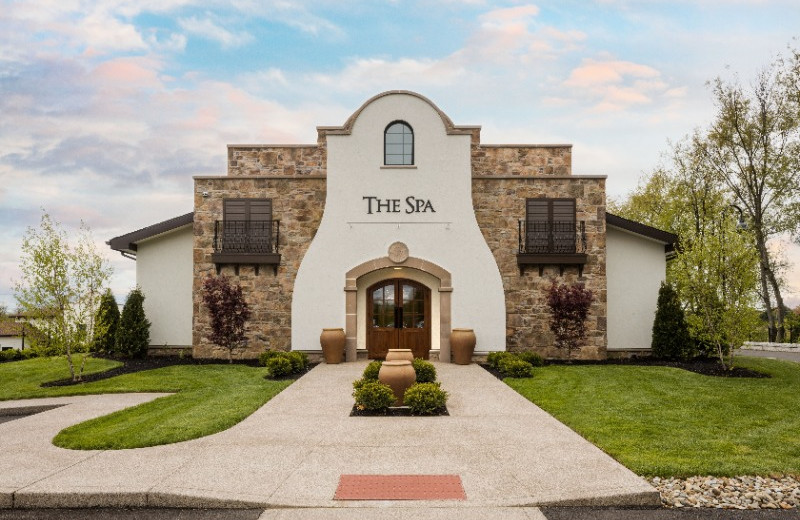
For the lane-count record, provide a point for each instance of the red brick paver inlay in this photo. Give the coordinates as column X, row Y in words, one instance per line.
column 400, row 487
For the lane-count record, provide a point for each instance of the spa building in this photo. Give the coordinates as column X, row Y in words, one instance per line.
column 399, row 226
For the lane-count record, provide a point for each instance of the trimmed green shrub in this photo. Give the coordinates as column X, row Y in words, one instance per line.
column 9, row 355
column 280, row 366
column 514, row 367
column 426, row 372
column 358, row 383
column 371, row 372
column 133, row 333
column 671, row 338
column 425, row 398
column 495, row 358
column 267, row 355
column 374, row 395
column 299, row 361
column 28, row 353
column 531, row 357
column 106, row 322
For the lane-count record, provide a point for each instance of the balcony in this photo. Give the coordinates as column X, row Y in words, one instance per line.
column 543, row 242
column 249, row 242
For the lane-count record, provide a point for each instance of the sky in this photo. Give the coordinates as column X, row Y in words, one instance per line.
column 109, row 108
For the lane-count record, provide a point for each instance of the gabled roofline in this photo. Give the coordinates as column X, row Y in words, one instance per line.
column 668, row 239
column 347, row 128
column 127, row 243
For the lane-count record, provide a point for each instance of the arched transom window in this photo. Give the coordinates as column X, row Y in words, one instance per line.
column 398, row 144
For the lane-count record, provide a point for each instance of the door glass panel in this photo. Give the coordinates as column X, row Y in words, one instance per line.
column 413, row 307
column 383, row 307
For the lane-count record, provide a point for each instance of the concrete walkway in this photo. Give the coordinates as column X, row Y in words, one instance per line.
column 291, row 452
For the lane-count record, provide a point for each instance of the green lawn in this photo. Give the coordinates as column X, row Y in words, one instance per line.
column 207, row 399
column 661, row 421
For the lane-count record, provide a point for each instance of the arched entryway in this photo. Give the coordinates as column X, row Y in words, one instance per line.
column 374, row 273
column 398, row 316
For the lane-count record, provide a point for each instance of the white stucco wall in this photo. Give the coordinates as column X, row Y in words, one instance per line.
column 349, row 236
column 14, row 342
column 164, row 273
column 635, row 268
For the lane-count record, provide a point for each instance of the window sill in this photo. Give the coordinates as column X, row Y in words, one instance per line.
column 399, row 167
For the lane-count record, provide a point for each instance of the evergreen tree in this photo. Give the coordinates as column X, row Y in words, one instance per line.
column 133, row 334
column 671, row 338
column 106, row 322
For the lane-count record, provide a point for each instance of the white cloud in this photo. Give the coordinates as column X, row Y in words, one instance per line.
column 211, row 30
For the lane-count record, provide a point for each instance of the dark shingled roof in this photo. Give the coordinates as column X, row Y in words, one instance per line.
column 127, row 243
column 669, row 239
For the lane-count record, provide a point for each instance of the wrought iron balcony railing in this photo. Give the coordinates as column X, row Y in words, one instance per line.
column 543, row 242
column 247, row 242
column 545, row 237
column 247, row 236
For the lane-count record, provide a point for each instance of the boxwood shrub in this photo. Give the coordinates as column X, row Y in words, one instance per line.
column 371, row 372
column 373, row 395
column 495, row 358
column 280, row 366
column 425, row 398
column 514, row 367
column 531, row 357
column 299, row 361
column 426, row 372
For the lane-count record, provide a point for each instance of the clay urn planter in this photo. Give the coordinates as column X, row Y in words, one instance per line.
column 332, row 342
column 399, row 375
column 462, row 345
column 399, row 354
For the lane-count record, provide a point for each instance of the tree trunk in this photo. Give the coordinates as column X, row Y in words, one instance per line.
column 781, row 311
column 764, row 275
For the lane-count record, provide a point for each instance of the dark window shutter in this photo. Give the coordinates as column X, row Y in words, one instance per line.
column 550, row 226
column 234, row 210
column 247, row 225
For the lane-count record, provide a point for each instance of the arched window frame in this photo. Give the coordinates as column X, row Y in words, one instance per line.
column 409, row 157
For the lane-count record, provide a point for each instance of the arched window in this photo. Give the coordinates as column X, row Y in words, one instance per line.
column 398, row 144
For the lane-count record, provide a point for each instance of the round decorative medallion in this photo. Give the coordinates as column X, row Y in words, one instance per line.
column 398, row 252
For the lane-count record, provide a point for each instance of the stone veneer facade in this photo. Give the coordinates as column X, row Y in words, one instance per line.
column 503, row 176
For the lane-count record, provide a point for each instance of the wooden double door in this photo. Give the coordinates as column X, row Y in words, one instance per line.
column 398, row 316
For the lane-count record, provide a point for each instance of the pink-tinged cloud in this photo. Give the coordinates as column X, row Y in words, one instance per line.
column 592, row 73
column 128, row 72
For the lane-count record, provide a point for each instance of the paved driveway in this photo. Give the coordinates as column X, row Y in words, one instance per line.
column 292, row 451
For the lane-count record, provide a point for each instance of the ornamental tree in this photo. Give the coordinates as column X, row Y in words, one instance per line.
column 60, row 289
column 569, row 308
column 229, row 313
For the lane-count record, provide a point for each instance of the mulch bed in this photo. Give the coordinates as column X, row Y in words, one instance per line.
column 706, row 367
column 130, row 366
column 400, row 411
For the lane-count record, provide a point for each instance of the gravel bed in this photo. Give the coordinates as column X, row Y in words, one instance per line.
column 774, row 492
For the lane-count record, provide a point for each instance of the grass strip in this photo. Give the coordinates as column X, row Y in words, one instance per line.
column 661, row 421
column 207, row 399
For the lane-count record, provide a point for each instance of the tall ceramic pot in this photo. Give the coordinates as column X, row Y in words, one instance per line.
column 399, row 375
column 400, row 354
column 332, row 342
column 462, row 345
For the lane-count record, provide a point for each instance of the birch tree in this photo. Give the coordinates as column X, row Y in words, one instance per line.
column 61, row 287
